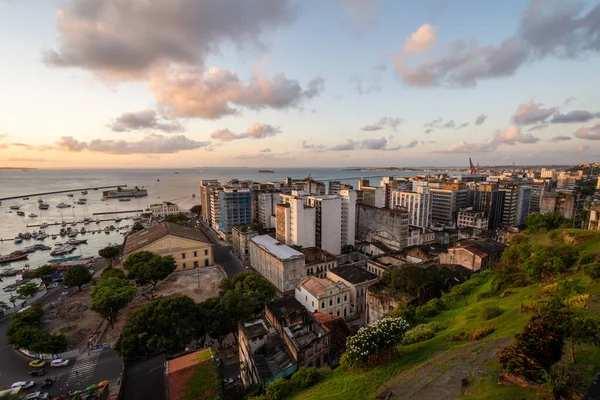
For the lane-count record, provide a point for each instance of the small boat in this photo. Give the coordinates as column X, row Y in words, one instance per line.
column 18, row 240
column 44, row 225
column 63, row 223
column 76, row 242
column 107, row 230
column 27, row 236
column 53, row 237
column 72, row 234
column 97, row 221
column 82, row 230
column 32, row 215
column 266, row 170
column 118, row 219
column 62, row 205
column 41, row 236
column 70, row 195
column 84, row 192
column 44, row 206
column 15, row 207
column 62, row 232
column 158, row 180
column 25, row 198
column 193, row 195
column 59, row 251
column 125, row 199
column 70, row 258
column 13, row 257
column 20, row 213
column 82, row 201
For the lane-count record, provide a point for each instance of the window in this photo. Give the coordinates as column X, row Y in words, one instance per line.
column 344, row 312
column 330, row 302
column 338, row 299
column 206, row 263
column 195, row 264
column 195, row 254
column 183, row 265
column 305, row 298
column 322, row 304
column 345, row 298
column 183, row 256
column 338, row 313
column 205, row 252
column 312, row 303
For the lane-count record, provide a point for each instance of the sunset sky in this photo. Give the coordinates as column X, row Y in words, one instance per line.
column 184, row 83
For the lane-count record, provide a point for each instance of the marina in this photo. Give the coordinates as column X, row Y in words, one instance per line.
column 60, row 191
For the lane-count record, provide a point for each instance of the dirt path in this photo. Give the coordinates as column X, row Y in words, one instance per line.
column 441, row 377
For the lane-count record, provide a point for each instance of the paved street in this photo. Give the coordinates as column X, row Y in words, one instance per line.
column 223, row 255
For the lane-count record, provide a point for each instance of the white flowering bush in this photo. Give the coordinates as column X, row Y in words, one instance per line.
column 372, row 340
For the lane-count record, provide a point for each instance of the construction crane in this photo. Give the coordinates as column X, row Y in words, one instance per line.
column 472, row 167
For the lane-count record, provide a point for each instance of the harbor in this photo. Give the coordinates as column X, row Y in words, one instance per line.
column 23, row 196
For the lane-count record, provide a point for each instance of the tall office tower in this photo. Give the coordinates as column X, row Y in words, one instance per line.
column 205, row 190
column 523, row 203
column 235, row 208
column 490, row 200
column 296, row 221
column 388, row 184
column 267, row 207
column 349, row 198
column 537, row 191
column 447, row 202
column 328, row 222
column 418, row 205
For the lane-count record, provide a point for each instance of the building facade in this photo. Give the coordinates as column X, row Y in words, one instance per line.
column 240, row 243
column 418, row 205
column 296, row 221
column 382, row 225
column 235, row 207
column 358, row 280
column 164, row 209
column 472, row 219
column 328, row 222
column 564, row 203
column 206, row 186
column 324, row 295
column 279, row 264
column 267, row 208
column 348, row 227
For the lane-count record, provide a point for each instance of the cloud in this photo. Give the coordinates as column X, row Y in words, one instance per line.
column 468, row 148
column 548, row 28
column 267, row 150
column 375, row 144
column 538, row 127
column 349, row 145
column 382, row 123
column 192, row 92
column 592, row 133
column 582, row 148
column 371, row 144
column 437, row 123
column 463, row 125
column 532, row 113
column 123, row 40
column 151, row 144
column 568, row 100
column 513, row 135
column 411, row 145
column 363, row 13
column 574, row 116
column 480, row 120
column 144, row 120
column 313, row 147
column 449, row 124
column 370, row 84
column 422, row 40
column 560, row 138
column 257, row 130
column 271, row 156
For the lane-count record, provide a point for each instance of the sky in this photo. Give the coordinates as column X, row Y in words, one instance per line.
column 274, row 83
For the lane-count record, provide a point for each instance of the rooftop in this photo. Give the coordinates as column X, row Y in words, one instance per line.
column 316, row 255
column 280, row 308
column 389, row 260
column 143, row 238
column 180, row 371
column 254, row 328
column 276, row 248
column 481, row 247
column 272, row 358
column 318, row 286
column 353, row 274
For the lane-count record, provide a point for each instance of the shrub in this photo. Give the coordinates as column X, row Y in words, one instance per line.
column 372, row 340
column 490, row 312
column 418, row 334
column 406, row 313
column 438, row 326
column 279, row 389
column 305, row 377
column 472, row 334
column 592, row 270
column 430, row 309
column 485, row 295
column 531, row 306
column 586, row 258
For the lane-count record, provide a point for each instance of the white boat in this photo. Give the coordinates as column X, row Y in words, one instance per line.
column 15, row 207
column 41, row 236
column 72, row 234
column 18, row 240
column 82, row 201
column 44, row 206
column 70, row 195
column 125, row 199
column 62, row 205
column 53, row 237
column 118, row 219
column 32, row 215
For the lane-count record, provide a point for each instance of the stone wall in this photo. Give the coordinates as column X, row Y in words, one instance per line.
column 384, row 225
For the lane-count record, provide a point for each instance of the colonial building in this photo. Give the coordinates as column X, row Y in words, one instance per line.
column 358, row 280
column 240, row 241
column 324, row 295
column 279, row 264
column 317, row 262
column 380, row 264
column 474, row 255
column 381, row 302
column 164, row 209
column 188, row 246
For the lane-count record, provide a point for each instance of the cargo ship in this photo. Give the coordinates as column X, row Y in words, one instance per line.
column 266, row 170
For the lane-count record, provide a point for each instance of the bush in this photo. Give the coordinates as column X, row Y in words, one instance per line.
column 406, row 313
column 592, row 270
column 490, row 312
column 418, row 334
column 531, row 306
column 472, row 334
column 586, row 258
column 430, row 309
column 279, row 389
column 485, row 295
column 305, row 377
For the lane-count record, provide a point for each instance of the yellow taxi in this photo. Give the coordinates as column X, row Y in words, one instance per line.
column 37, row 363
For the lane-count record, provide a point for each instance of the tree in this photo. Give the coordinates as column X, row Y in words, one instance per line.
column 136, row 228
column 110, row 253
column 147, row 267
column 45, row 271
column 28, row 290
column 111, row 272
column 197, row 209
column 414, row 280
column 176, row 219
column 537, row 222
column 111, row 295
column 166, row 325
column 77, row 275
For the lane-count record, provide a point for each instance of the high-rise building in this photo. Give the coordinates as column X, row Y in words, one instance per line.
column 445, row 204
column 373, row 196
column 334, row 187
column 235, row 208
column 561, row 202
column 215, row 208
column 267, row 208
column 516, row 204
column 537, row 191
column 328, row 222
column 490, row 200
column 349, row 198
column 523, row 204
column 388, row 184
column 417, row 204
column 205, row 189
column 404, row 184
column 296, row 221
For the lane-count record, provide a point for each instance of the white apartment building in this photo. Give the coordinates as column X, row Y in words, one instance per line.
column 215, row 208
column 324, row 295
column 295, row 221
column 328, row 222
column 472, row 219
column 548, row 173
column 417, row 204
column 348, row 216
column 267, row 208
column 164, row 209
column 373, row 196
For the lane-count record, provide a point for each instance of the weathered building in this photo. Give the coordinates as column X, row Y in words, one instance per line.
column 358, row 280
column 324, row 295
column 317, row 262
column 386, row 226
column 381, row 302
column 240, row 243
column 378, row 265
column 279, row 264
column 474, row 255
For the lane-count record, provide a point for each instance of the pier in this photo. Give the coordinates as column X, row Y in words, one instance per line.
column 119, row 212
column 60, row 191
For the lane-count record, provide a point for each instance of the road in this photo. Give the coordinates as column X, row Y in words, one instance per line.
column 222, row 253
column 104, row 365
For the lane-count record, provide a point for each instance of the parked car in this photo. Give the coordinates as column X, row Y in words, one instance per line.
column 37, row 396
column 48, row 382
column 23, row 384
column 59, row 362
column 37, row 363
column 38, row 372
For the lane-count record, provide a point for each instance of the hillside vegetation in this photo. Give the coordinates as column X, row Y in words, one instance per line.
column 454, row 352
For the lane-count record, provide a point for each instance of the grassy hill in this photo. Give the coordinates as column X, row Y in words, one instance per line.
column 435, row 368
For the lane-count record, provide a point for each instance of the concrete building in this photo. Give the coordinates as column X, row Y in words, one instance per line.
column 388, row 227
column 523, row 204
column 447, row 202
column 215, row 208
column 404, row 184
column 474, row 255
column 389, row 185
column 334, row 187
column 296, row 221
column 348, row 227
column 472, row 219
column 240, row 241
column 594, row 221
column 206, row 186
column 418, row 205
column 379, row 265
column 263, row 355
column 516, row 204
column 358, row 280
column 380, row 302
column 324, row 295
column 537, row 191
column 490, row 201
column 561, row 202
column 418, row 236
column 328, row 222
column 373, row 196
column 164, row 209
column 317, row 261
column 235, row 206
column 549, row 173
column 279, row 264
column 267, row 208
column 188, row 246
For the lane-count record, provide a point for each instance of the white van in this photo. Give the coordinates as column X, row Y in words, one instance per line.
column 59, row 362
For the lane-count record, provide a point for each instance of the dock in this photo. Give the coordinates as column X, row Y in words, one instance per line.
column 119, row 212
column 60, row 191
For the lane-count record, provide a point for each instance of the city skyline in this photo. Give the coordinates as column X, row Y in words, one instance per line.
column 182, row 83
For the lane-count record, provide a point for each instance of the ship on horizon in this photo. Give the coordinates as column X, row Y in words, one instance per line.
column 266, row 170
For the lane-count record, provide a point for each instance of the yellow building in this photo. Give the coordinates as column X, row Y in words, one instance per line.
column 189, row 246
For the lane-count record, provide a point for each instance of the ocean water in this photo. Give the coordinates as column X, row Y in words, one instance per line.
column 174, row 185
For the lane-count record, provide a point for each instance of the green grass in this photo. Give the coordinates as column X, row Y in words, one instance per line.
column 202, row 385
column 344, row 384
